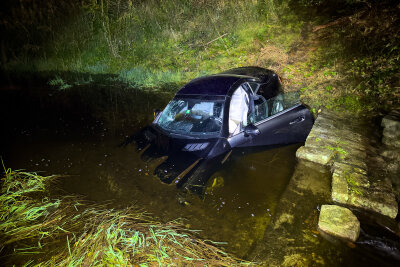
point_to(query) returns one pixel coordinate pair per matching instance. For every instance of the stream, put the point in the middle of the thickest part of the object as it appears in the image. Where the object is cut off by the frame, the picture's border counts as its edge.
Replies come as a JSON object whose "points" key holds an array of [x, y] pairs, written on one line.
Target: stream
{"points": [[77, 132]]}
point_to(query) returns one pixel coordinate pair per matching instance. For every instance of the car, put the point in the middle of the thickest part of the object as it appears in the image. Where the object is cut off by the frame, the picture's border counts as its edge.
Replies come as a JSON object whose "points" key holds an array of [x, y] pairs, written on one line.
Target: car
{"points": [[212, 115]]}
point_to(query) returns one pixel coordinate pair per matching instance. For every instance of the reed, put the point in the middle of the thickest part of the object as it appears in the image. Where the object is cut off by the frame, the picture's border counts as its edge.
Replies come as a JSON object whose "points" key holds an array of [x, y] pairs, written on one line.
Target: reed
{"points": [[39, 229]]}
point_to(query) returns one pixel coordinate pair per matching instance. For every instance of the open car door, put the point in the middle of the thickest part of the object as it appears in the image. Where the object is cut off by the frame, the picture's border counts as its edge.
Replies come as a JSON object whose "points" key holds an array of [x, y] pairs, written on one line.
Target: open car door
{"points": [[280, 120]]}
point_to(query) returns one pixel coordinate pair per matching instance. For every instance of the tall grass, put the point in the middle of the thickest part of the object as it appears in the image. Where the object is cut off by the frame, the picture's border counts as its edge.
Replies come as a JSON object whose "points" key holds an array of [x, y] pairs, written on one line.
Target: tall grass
{"points": [[37, 229], [149, 43], [154, 43]]}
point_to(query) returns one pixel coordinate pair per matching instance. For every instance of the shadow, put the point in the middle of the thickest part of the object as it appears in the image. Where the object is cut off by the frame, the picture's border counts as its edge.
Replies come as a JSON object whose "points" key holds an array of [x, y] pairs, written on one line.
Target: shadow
{"points": [[95, 106]]}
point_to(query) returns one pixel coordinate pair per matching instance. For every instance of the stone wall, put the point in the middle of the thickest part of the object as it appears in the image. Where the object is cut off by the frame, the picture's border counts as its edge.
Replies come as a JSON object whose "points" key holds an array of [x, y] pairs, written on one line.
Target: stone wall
{"points": [[334, 168], [340, 142], [390, 151]]}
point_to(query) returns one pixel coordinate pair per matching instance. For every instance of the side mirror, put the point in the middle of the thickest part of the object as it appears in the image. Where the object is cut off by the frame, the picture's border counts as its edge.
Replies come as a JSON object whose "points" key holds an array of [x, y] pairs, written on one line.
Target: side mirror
{"points": [[251, 130]]}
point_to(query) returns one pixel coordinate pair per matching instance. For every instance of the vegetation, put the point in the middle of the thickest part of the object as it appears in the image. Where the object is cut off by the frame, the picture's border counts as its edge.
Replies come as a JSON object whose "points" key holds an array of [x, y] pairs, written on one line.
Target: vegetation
{"points": [[146, 43], [354, 59], [339, 54], [38, 229]]}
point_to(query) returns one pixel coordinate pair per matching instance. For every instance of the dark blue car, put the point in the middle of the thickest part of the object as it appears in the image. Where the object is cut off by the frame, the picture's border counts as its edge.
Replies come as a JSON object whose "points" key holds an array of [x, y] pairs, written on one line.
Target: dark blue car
{"points": [[211, 115]]}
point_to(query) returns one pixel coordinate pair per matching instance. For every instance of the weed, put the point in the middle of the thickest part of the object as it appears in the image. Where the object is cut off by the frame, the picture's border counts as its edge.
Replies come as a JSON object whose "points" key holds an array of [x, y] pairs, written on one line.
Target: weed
{"points": [[59, 82], [66, 231]]}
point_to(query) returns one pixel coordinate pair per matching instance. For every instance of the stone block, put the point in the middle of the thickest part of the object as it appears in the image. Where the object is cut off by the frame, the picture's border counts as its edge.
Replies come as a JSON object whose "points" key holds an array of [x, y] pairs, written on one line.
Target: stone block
{"points": [[355, 161], [316, 154], [382, 185], [345, 167], [391, 142], [392, 122], [339, 222], [380, 202], [391, 133], [393, 154], [339, 189], [353, 175]]}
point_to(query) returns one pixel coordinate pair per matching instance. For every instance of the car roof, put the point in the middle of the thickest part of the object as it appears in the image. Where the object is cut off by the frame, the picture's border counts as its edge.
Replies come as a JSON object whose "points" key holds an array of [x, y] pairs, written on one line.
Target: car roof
{"points": [[215, 85], [258, 73], [221, 83]]}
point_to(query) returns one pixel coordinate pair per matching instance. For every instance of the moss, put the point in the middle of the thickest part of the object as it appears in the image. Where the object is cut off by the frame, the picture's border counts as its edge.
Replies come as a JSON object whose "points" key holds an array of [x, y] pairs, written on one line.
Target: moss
{"points": [[351, 180], [356, 190], [354, 185], [338, 149]]}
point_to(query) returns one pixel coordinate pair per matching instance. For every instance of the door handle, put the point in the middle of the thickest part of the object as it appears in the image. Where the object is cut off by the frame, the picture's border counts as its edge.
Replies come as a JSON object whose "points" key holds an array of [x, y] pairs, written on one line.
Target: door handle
{"points": [[297, 120]]}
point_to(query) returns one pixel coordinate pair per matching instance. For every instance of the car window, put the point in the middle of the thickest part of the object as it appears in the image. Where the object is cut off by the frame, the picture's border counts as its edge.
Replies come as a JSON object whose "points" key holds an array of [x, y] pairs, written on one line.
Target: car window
{"points": [[265, 108], [254, 86], [290, 99], [261, 110], [192, 117]]}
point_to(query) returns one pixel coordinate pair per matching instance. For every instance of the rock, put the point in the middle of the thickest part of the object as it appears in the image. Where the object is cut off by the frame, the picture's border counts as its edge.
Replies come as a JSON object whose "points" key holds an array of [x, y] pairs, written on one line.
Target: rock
{"points": [[391, 121], [333, 141], [339, 222], [355, 161], [318, 155], [393, 154], [339, 189], [393, 167], [347, 167], [394, 142], [391, 131], [352, 175], [378, 201], [383, 185], [350, 186]]}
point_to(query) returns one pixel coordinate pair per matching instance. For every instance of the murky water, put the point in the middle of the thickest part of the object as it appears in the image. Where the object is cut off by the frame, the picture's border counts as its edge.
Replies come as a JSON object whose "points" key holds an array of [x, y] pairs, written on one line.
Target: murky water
{"points": [[251, 193]]}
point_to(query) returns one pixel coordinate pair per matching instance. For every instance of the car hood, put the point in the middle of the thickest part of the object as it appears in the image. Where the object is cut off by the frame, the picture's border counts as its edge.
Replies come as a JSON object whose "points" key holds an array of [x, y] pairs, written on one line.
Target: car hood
{"points": [[172, 158]]}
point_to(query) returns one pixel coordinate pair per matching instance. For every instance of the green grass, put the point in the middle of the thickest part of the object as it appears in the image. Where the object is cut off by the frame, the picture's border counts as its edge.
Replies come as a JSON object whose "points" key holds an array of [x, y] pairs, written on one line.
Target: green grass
{"points": [[39, 229], [150, 44], [352, 65]]}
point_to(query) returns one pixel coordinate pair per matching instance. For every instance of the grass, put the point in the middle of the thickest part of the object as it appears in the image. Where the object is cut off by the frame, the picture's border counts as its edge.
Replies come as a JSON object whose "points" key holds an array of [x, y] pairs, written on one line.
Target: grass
{"points": [[146, 44], [339, 55], [352, 65], [37, 229]]}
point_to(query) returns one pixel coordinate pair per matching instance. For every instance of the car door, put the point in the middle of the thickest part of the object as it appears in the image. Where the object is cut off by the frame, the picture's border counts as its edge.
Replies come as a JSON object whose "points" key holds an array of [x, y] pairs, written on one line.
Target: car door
{"points": [[281, 120]]}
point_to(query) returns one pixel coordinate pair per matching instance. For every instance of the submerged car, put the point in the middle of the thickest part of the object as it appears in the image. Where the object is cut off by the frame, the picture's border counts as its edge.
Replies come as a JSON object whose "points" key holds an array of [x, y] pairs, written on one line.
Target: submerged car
{"points": [[211, 115]]}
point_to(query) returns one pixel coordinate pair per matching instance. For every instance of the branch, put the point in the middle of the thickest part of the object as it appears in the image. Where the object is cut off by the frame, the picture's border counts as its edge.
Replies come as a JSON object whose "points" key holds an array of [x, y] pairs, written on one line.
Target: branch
{"points": [[219, 37], [336, 22], [339, 21]]}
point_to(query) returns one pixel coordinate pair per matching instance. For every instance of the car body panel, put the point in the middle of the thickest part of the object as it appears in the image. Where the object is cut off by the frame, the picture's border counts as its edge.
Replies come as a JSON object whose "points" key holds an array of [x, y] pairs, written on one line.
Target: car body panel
{"points": [[209, 85], [287, 127]]}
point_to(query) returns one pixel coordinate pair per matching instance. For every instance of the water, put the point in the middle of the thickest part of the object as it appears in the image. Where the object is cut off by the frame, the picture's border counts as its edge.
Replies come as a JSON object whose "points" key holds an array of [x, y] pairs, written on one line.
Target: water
{"points": [[252, 204], [235, 210]]}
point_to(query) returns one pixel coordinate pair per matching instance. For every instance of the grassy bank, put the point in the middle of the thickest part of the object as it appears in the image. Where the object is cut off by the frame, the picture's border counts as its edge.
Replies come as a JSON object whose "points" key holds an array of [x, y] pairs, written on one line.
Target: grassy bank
{"points": [[349, 60], [338, 53], [147, 43], [37, 228]]}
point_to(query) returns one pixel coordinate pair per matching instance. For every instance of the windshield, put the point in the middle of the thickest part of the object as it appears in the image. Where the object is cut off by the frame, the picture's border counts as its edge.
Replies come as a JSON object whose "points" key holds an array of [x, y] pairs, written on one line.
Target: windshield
{"points": [[192, 117]]}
